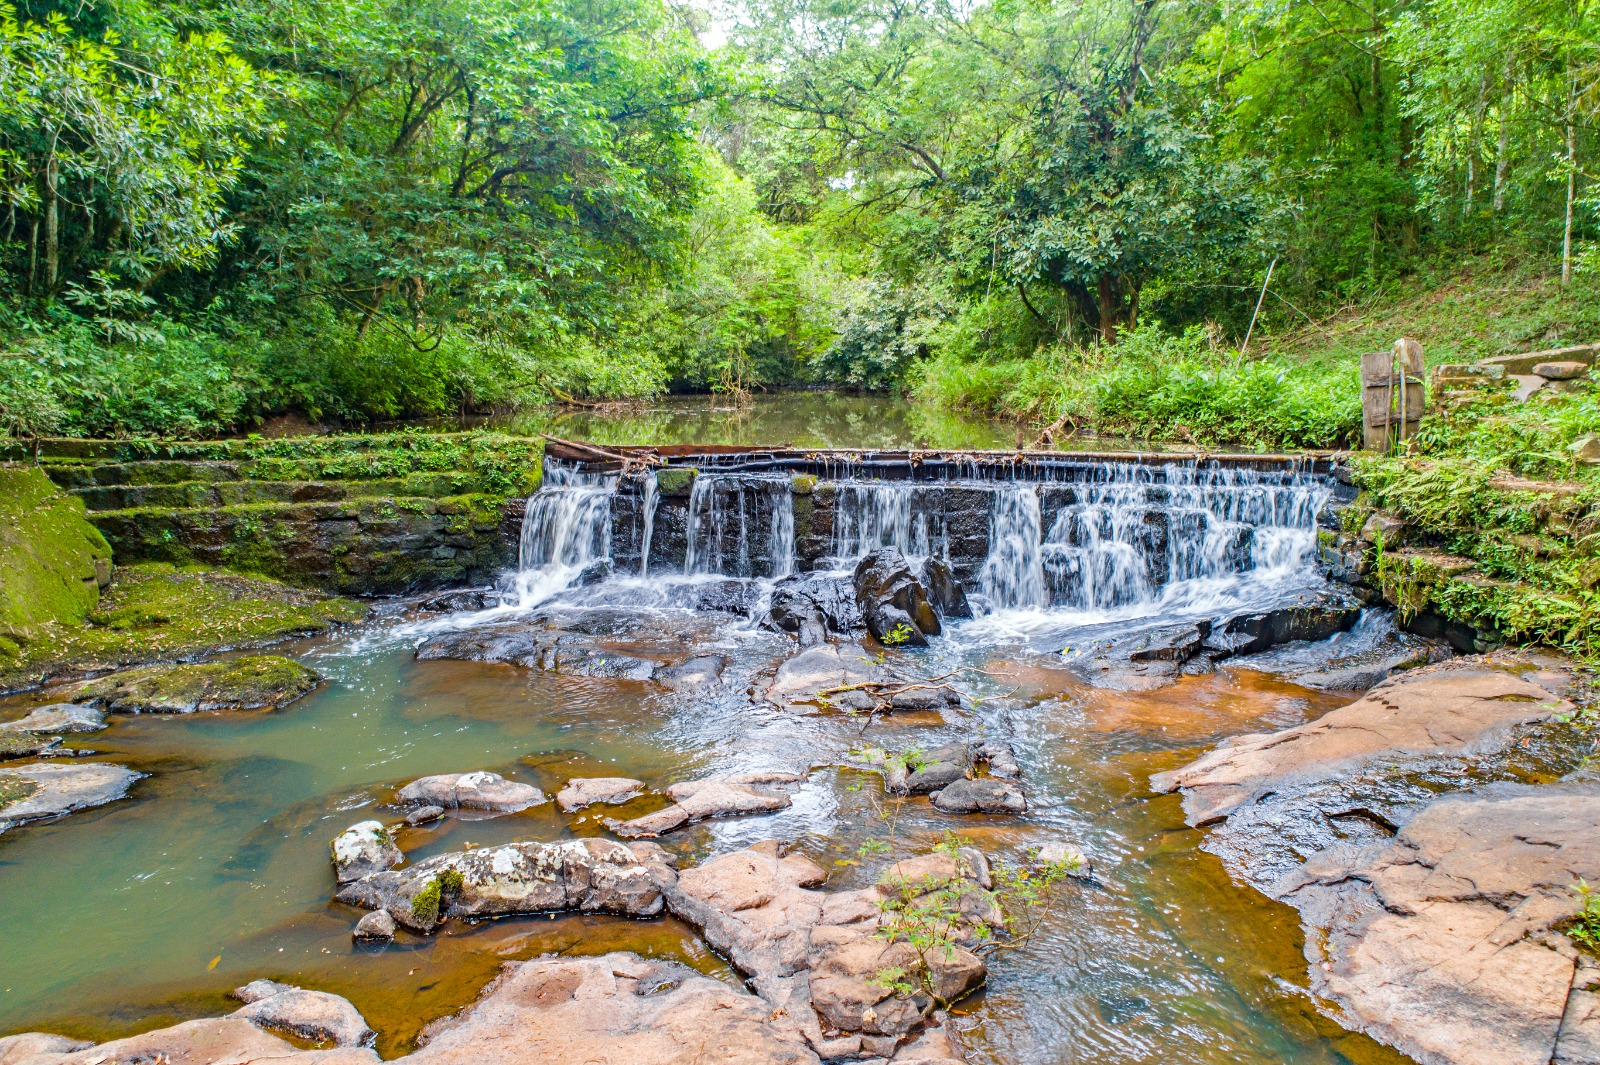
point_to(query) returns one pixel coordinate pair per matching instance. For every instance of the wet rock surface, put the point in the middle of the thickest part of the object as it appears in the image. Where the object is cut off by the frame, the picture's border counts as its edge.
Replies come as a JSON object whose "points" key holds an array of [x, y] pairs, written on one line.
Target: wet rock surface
{"points": [[982, 796], [472, 791], [811, 606], [364, 849], [586, 791], [311, 1015], [251, 682], [59, 718], [725, 795], [44, 791], [894, 605], [589, 876], [817, 669], [1433, 886]]}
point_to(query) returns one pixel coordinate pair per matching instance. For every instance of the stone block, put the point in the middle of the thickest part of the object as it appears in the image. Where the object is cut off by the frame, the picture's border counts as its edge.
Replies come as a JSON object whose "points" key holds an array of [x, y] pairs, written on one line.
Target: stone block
{"points": [[1562, 371]]}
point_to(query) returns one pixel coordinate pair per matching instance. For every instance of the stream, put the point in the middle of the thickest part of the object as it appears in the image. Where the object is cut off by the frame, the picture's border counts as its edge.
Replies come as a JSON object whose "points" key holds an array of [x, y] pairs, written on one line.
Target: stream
{"points": [[216, 872]]}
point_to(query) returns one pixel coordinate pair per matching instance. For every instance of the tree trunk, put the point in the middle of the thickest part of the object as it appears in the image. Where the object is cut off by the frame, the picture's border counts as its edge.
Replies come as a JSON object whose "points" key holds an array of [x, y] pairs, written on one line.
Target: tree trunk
{"points": [[1108, 312], [52, 227], [1572, 186], [1502, 158]]}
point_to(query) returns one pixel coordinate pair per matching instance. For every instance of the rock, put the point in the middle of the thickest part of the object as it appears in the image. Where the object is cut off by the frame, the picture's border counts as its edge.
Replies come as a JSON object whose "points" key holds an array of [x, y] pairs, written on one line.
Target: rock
{"points": [[935, 769], [513, 643], [423, 815], [724, 795], [813, 955], [1445, 943], [894, 605], [466, 599], [1561, 371], [1069, 855], [944, 591], [727, 596], [584, 791], [59, 718], [1141, 660], [312, 1015], [1527, 385], [1586, 449], [206, 1042], [703, 671], [377, 925], [251, 682], [35, 792], [920, 698], [1311, 621], [811, 605], [1383, 528], [26, 745], [1463, 707], [16, 1049], [819, 668], [982, 796], [364, 849], [473, 791], [1001, 759], [618, 1009], [590, 875]]}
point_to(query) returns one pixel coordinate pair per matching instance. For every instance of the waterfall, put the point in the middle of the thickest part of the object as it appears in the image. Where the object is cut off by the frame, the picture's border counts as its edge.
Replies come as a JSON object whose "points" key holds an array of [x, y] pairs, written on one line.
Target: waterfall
{"points": [[652, 496], [872, 514], [727, 514], [1013, 574], [566, 529]]}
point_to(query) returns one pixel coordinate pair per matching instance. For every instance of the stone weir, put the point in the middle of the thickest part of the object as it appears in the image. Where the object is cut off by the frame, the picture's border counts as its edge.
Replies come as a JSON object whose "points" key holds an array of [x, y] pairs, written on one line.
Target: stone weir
{"points": [[1024, 529]]}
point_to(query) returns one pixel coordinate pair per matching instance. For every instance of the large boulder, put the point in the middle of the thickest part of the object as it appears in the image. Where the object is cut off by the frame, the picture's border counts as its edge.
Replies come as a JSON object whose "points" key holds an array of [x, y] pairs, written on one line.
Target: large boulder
{"points": [[311, 1015], [250, 682], [590, 876], [809, 606], [363, 849], [893, 603], [944, 591], [472, 791], [723, 795]]}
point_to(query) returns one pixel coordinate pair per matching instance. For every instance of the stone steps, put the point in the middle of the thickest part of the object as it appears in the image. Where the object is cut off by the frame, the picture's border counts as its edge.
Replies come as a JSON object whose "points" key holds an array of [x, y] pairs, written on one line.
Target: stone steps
{"points": [[201, 493]]}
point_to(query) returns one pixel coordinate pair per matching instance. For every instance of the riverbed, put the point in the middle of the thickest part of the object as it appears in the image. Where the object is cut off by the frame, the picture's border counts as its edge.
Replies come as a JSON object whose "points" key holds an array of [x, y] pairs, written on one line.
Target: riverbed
{"points": [[216, 871]]}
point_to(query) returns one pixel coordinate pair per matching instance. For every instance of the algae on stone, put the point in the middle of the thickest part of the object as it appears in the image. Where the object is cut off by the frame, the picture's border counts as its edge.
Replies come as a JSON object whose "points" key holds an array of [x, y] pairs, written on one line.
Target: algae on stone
{"points": [[155, 610], [53, 563], [13, 789], [252, 682]]}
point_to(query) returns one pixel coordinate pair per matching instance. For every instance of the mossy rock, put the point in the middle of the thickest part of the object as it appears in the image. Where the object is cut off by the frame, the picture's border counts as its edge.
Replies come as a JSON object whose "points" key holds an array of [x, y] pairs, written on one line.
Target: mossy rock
{"points": [[52, 561], [13, 789], [676, 481], [252, 682], [24, 745]]}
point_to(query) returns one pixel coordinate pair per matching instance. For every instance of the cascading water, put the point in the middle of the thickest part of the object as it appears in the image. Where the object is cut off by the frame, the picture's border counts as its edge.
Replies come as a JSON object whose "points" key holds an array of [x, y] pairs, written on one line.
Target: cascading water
{"points": [[566, 529], [869, 515], [652, 498], [727, 515], [1013, 575]]}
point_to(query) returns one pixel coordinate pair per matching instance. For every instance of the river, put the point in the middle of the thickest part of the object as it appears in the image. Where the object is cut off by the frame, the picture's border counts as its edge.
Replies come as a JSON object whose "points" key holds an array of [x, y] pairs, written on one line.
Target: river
{"points": [[216, 872]]}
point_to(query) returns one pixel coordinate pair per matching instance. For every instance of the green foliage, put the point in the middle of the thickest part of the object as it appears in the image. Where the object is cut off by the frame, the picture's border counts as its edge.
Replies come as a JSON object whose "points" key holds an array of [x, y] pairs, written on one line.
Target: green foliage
{"points": [[898, 635], [1585, 927]]}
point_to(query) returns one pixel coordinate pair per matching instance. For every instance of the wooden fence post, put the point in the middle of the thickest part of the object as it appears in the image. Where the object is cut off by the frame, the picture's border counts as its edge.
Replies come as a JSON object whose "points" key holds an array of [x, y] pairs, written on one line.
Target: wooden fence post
{"points": [[1392, 396]]}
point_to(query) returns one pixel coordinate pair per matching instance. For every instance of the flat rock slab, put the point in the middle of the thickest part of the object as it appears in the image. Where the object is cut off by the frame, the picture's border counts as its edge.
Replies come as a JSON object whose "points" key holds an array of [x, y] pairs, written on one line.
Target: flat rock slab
{"points": [[1445, 942], [253, 682], [1561, 371], [313, 1015], [52, 790], [472, 791], [59, 718], [821, 667], [206, 1042], [725, 795], [585, 791], [1464, 707], [589, 876]]}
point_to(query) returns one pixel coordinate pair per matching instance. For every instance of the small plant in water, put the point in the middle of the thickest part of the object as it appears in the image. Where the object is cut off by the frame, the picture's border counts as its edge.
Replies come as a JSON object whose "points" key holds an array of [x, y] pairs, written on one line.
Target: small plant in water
{"points": [[898, 635]]}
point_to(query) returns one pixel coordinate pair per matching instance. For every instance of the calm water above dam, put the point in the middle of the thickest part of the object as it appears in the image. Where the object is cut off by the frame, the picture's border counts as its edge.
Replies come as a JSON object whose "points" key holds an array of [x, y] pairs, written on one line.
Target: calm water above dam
{"points": [[217, 872]]}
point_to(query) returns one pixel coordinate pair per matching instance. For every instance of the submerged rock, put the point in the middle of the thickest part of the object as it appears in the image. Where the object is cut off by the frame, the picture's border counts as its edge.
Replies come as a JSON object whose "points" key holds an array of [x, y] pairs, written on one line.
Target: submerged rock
{"points": [[36, 792], [313, 1015], [590, 875], [702, 671], [363, 849], [377, 926], [59, 718], [251, 682], [894, 605], [424, 815], [585, 791], [724, 795], [472, 791], [983, 796]]}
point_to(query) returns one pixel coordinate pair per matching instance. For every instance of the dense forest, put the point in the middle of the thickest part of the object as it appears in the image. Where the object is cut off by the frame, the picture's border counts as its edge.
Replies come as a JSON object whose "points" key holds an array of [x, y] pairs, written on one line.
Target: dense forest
{"points": [[356, 210]]}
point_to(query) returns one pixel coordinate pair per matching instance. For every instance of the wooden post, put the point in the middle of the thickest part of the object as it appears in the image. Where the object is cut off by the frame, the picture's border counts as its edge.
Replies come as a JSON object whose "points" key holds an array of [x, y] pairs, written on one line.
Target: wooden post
{"points": [[1392, 396]]}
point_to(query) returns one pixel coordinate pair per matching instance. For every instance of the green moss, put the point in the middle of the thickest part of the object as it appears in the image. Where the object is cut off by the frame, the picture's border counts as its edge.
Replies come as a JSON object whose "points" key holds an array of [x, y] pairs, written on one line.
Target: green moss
{"points": [[427, 903], [22, 744], [803, 484], [51, 559], [13, 789], [676, 480], [252, 682]]}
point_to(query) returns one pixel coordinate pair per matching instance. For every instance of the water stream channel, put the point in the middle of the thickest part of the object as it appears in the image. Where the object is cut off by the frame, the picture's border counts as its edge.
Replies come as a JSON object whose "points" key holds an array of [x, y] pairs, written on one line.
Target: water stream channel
{"points": [[216, 871]]}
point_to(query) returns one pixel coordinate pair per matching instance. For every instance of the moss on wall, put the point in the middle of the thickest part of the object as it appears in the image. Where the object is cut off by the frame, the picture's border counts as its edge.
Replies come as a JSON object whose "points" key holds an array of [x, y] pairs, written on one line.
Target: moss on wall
{"points": [[52, 561]]}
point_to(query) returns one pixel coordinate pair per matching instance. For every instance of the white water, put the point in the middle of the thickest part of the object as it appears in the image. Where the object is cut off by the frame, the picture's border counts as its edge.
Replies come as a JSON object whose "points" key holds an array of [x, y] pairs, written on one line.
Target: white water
{"points": [[1126, 541]]}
